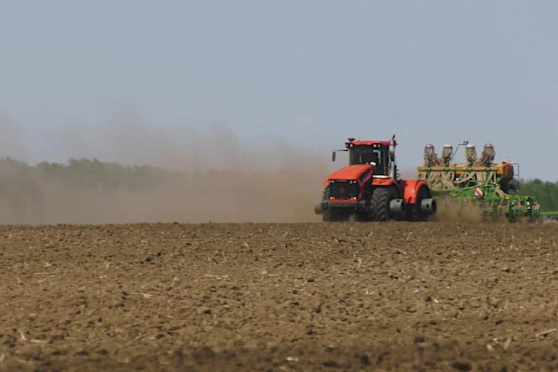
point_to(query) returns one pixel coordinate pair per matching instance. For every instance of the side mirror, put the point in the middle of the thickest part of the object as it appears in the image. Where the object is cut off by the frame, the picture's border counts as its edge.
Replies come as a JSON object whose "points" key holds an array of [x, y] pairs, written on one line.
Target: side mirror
{"points": [[333, 156]]}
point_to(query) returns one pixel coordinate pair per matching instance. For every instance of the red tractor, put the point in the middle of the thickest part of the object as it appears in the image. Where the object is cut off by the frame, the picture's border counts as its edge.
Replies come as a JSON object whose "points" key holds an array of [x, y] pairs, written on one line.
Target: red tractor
{"points": [[370, 187]]}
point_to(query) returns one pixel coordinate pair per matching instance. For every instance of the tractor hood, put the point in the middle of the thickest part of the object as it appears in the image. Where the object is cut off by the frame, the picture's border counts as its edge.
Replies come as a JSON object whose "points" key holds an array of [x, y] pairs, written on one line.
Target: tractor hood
{"points": [[351, 172]]}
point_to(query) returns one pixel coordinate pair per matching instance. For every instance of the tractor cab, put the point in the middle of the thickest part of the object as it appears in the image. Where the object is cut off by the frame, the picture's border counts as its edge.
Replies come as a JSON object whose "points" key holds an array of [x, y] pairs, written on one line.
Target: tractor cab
{"points": [[379, 154]]}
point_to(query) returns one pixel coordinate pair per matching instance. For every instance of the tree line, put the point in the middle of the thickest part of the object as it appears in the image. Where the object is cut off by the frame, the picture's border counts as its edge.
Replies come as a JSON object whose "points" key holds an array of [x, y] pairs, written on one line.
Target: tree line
{"points": [[546, 193], [29, 192]]}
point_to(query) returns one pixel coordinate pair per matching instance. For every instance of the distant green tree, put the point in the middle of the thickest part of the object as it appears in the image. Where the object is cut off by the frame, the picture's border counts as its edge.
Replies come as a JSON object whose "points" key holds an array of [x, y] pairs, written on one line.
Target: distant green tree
{"points": [[25, 189], [546, 193]]}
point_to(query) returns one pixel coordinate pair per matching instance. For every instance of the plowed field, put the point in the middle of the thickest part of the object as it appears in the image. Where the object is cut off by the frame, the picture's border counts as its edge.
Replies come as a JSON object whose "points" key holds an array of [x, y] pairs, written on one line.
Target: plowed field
{"points": [[279, 297]]}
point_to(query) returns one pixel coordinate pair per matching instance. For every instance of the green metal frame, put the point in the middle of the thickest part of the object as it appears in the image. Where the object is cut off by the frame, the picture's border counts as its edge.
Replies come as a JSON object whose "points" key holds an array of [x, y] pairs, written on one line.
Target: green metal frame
{"points": [[512, 207], [492, 202]]}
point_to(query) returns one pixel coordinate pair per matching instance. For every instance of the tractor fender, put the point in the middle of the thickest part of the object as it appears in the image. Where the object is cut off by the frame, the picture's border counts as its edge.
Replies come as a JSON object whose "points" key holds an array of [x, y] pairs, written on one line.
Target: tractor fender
{"points": [[384, 182], [411, 190], [390, 183]]}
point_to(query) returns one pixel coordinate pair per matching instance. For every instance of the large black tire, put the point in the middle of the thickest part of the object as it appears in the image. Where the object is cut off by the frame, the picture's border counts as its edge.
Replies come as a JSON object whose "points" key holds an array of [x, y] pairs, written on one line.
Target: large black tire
{"points": [[414, 212], [380, 204]]}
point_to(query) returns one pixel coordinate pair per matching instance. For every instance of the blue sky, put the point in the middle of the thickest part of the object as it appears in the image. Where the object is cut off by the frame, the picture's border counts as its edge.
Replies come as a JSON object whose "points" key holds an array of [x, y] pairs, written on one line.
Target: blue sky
{"points": [[302, 73]]}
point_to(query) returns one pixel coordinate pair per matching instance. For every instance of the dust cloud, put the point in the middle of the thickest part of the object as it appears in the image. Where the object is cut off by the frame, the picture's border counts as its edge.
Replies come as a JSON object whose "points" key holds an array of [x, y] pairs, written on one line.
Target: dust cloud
{"points": [[129, 170], [451, 209]]}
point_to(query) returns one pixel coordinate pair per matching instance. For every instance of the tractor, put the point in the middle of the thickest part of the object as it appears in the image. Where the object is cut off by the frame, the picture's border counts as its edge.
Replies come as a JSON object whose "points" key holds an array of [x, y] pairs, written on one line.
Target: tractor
{"points": [[371, 189]]}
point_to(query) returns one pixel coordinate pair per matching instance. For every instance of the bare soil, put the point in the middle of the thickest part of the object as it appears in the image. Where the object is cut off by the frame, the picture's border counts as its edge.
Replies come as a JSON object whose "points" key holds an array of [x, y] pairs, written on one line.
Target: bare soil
{"points": [[279, 297]]}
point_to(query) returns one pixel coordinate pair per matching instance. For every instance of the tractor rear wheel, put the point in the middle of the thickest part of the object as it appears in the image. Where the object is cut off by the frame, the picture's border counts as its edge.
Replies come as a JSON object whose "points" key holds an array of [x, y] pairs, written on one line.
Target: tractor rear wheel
{"points": [[415, 211], [380, 204]]}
